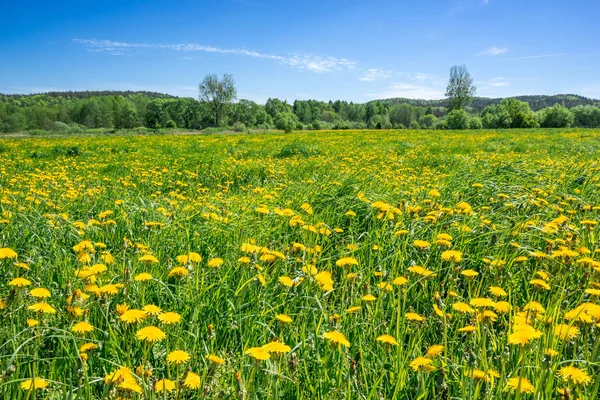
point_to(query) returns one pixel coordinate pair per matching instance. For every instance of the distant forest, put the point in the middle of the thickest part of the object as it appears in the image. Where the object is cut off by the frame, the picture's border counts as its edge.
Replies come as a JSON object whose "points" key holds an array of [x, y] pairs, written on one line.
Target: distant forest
{"points": [[80, 111]]}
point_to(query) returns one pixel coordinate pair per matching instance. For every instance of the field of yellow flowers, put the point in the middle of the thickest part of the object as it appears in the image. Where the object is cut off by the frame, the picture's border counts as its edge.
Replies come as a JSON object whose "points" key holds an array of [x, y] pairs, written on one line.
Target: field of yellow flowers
{"points": [[337, 265]]}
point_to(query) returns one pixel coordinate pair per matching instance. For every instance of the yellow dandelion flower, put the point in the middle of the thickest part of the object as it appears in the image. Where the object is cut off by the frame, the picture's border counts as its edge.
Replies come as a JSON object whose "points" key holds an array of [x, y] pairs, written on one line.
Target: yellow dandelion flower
{"points": [[388, 339], [35, 383], [574, 375], [215, 262], [143, 277], [133, 316], [411, 316], [169, 318], [39, 293], [19, 282], [452, 256], [178, 357], [434, 350], [166, 385], [565, 331], [82, 327], [521, 385], [43, 308], [337, 338], [284, 318], [215, 359], [192, 381], [150, 334]]}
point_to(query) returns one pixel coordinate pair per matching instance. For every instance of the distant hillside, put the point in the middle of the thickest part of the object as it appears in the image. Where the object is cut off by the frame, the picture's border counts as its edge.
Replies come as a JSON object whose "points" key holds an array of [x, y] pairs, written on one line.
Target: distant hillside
{"points": [[479, 103], [72, 95]]}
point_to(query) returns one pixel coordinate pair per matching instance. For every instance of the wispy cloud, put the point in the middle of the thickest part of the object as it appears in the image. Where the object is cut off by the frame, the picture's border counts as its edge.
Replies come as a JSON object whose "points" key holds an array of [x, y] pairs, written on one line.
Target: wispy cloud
{"points": [[411, 91], [498, 81], [536, 56], [310, 62], [493, 51], [374, 74]]}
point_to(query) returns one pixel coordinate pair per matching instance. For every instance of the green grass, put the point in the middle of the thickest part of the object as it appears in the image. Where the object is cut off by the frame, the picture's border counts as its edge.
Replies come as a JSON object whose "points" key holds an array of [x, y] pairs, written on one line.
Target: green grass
{"points": [[210, 195]]}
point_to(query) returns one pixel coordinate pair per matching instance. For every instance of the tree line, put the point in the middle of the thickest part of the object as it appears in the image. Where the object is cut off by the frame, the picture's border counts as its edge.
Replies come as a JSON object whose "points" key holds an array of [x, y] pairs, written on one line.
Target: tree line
{"points": [[218, 106]]}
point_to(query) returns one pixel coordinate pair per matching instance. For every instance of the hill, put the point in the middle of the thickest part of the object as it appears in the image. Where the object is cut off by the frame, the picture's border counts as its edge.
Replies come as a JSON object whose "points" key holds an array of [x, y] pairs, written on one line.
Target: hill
{"points": [[536, 102]]}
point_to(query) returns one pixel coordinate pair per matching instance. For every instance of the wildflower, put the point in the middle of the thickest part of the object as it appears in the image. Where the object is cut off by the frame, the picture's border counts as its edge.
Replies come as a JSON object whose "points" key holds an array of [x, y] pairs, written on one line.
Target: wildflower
{"points": [[565, 331], [346, 262], [35, 383], [148, 259], [523, 334], [420, 271], [574, 375], [150, 334], [178, 357], [178, 271], [469, 273], [421, 244], [169, 318], [276, 347], [284, 318], [324, 280], [84, 348], [463, 308], [82, 327], [19, 282], [133, 316], [258, 353], [143, 277], [32, 322], [467, 329], [353, 309], [482, 302], [39, 293], [337, 338], [164, 384], [498, 291], [286, 281], [421, 363], [43, 308], [521, 385], [388, 339], [540, 283], [414, 317], [400, 281], [215, 359], [502, 307], [452, 256], [369, 298], [5, 252], [191, 381], [434, 350], [215, 262]]}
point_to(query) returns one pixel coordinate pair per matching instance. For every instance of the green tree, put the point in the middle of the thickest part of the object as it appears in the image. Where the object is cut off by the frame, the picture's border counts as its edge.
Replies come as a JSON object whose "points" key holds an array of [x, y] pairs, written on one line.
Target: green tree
{"points": [[458, 119], [460, 90], [556, 116], [218, 95]]}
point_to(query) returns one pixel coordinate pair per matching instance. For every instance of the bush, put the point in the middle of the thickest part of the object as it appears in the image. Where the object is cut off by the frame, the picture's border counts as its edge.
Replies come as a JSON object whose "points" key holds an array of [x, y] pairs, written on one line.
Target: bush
{"points": [[475, 123], [428, 121], [458, 119], [239, 127], [170, 124], [414, 125], [286, 121], [57, 126], [556, 116]]}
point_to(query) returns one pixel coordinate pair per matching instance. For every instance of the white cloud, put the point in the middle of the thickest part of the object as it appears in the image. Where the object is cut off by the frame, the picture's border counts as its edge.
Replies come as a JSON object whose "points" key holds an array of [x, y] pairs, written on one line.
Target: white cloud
{"points": [[306, 61], [486, 2], [411, 91], [373, 74], [498, 81], [493, 51]]}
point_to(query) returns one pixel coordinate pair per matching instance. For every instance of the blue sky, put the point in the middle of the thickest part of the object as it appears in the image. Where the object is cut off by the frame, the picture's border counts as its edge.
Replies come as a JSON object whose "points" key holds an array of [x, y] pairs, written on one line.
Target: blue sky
{"points": [[337, 49]]}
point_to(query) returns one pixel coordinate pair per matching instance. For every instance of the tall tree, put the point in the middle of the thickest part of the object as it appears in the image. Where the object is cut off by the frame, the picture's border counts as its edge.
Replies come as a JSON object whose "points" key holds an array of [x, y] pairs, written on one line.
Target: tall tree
{"points": [[218, 95], [460, 90]]}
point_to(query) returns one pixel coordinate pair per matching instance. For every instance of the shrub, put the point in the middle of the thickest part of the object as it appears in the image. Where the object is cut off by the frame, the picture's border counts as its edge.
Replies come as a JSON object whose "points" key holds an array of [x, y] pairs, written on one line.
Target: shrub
{"points": [[458, 119], [475, 123], [556, 116], [239, 127]]}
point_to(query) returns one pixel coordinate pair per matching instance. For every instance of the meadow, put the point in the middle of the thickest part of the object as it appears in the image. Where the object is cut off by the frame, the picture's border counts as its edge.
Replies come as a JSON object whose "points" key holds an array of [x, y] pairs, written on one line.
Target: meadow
{"points": [[322, 265]]}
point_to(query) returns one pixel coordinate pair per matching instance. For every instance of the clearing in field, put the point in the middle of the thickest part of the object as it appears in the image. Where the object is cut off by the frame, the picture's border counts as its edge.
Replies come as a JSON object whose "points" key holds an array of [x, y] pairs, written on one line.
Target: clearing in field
{"points": [[333, 265]]}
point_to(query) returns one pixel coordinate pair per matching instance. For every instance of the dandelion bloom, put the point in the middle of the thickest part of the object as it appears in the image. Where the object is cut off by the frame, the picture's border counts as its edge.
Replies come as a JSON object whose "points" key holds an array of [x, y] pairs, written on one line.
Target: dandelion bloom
{"points": [[133, 316], [353, 309], [286, 281], [346, 262], [452, 256], [434, 350], [35, 383], [497, 291], [150, 334], [164, 384], [148, 259], [521, 385], [215, 262], [411, 316], [5, 252], [421, 244], [400, 281], [336, 337], [420, 271], [19, 282], [540, 283], [324, 280], [191, 381], [369, 298], [388, 339], [463, 308], [84, 348], [82, 327], [178, 271], [482, 302], [143, 277], [574, 375], [467, 329], [43, 308], [469, 273], [215, 359], [523, 334], [151, 309], [169, 318], [32, 322], [422, 363], [258, 353], [565, 331], [276, 347], [178, 357], [284, 318]]}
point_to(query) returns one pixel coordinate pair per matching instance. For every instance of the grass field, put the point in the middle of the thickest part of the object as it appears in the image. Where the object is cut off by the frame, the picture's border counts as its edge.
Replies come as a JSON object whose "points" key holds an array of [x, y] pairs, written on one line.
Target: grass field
{"points": [[338, 265]]}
